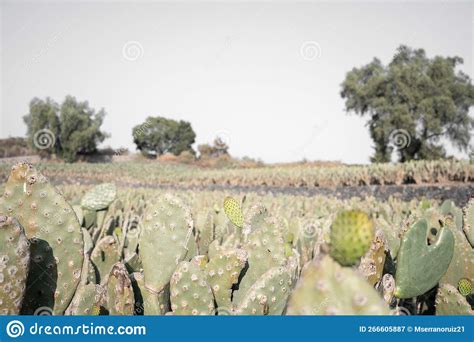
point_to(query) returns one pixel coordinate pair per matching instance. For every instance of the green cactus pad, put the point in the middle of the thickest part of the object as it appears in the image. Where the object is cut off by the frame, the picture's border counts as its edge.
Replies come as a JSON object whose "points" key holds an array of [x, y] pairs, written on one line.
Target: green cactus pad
{"points": [[189, 291], [449, 302], [449, 208], [56, 251], [14, 263], [372, 263], [465, 287], [120, 297], [327, 288], [164, 240], [104, 256], [420, 266], [99, 197], [147, 302], [223, 272], [468, 221], [265, 246], [351, 234], [234, 211], [268, 296], [87, 301]]}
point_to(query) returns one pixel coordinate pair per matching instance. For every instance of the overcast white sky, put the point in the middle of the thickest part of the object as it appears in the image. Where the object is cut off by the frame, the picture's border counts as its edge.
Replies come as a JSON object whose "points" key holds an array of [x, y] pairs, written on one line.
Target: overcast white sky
{"points": [[242, 70]]}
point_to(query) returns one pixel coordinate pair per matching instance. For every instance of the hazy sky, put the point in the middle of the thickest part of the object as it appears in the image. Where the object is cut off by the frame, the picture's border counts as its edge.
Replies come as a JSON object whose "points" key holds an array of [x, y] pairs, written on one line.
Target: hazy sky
{"points": [[263, 75]]}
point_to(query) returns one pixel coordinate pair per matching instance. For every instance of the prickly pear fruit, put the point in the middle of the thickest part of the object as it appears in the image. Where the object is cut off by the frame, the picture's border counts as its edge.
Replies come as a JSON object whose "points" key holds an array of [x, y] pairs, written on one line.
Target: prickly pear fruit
{"points": [[326, 288], [415, 254], [465, 287], [189, 291], [164, 240], [351, 234], [56, 250], [99, 197], [120, 297], [234, 211], [14, 262]]}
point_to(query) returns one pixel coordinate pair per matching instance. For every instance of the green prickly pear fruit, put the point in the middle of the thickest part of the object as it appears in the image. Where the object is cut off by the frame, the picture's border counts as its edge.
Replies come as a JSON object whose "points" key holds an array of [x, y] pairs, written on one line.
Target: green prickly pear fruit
{"points": [[99, 197], [234, 211], [465, 287], [415, 255], [56, 242], [351, 235], [120, 297], [327, 288], [190, 293], [14, 262]]}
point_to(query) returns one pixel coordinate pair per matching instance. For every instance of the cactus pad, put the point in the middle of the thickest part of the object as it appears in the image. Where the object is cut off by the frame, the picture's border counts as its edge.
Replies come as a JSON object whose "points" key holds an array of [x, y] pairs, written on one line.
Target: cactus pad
{"points": [[450, 302], [99, 197], [56, 250], [189, 290], [234, 211], [327, 288], [14, 262], [420, 266]]}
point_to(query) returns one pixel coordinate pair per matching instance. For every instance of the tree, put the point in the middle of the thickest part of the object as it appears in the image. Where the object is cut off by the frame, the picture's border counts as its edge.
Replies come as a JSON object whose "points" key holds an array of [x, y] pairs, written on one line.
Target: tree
{"points": [[419, 100], [68, 130], [158, 135], [218, 149]]}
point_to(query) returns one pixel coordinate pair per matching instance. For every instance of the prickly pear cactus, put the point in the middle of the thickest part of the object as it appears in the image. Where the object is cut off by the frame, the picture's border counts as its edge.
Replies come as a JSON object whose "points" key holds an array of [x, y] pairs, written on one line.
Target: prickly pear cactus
{"points": [[234, 212], [269, 295], [56, 250], [326, 288], [120, 297], [164, 240], [223, 272], [468, 221], [14, 262], [351, 234], [189, 291], [450, 302], [265, 246], [99, 197], [147, 302], [104, 256], [449, 208], [415, 255], [372, 263], [87, 301]]}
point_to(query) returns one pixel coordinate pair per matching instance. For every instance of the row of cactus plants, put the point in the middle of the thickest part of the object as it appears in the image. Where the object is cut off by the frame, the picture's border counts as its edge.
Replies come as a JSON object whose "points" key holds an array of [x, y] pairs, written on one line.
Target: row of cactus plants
{"points": [[153, 174], [146, 254]]}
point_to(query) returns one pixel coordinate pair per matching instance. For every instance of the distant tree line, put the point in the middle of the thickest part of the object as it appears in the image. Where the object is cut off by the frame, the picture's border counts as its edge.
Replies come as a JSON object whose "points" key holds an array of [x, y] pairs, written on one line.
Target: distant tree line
{"points": [[414, 105]]}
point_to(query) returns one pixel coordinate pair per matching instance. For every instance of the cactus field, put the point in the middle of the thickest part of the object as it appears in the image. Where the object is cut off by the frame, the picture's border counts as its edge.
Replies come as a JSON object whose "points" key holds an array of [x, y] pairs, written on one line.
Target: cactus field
{"points": [[85, 239]]}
